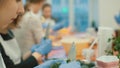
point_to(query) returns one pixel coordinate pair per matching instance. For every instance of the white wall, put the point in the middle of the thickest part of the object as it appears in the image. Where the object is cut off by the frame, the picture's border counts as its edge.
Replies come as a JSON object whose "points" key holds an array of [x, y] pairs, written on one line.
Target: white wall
{"points": [[107, 9]]}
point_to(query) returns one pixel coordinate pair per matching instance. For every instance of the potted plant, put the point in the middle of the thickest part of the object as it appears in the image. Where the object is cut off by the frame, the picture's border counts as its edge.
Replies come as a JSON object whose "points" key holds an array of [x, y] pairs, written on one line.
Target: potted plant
{"points": [[115, 47]]}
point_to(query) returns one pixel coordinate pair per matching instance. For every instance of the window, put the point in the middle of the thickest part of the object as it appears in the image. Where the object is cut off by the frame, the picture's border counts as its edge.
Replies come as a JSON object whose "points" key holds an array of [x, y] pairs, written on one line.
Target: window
{"points": [[61, 12], [81, 15]]}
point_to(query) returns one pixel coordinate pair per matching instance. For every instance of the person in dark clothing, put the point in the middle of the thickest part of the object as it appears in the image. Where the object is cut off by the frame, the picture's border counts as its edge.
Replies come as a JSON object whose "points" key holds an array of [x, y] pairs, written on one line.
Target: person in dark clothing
{"points": [[9, 11], [29, 63]]}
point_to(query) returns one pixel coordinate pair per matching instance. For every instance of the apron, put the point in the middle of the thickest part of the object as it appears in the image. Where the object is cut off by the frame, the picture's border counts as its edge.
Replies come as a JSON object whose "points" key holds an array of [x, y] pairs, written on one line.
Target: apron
{"points": [[12, 49], [2, 65]]}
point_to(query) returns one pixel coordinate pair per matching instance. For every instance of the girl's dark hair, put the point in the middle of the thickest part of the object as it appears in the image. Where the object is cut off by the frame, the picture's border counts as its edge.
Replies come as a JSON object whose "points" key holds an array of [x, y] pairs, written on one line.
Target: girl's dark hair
{"points": [[46, 5], [1, 2]]}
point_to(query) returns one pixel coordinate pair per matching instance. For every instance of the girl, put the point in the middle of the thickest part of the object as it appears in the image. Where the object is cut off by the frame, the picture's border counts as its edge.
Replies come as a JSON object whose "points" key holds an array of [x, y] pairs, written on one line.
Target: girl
{"points": [[9, 12], [47, 15]]}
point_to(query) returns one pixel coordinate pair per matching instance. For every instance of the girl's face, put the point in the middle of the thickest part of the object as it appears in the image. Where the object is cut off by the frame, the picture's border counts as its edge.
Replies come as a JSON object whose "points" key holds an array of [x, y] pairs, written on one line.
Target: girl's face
{"points": [[47, 12], [9, 10]]}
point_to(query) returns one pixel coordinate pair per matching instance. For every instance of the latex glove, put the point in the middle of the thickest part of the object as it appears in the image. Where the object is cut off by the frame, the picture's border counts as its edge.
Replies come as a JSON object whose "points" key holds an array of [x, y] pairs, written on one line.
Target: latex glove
{"points": [[47, 64], [42, 42], [73, 64], [34, 47], [58, 27], [117, 18], [44, 48]]}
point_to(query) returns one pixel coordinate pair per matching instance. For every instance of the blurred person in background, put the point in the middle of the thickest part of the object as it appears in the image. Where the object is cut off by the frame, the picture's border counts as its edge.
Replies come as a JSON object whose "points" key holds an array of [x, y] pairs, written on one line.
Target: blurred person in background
{"points": [[47, 18], [47, 15], [30, 31]]}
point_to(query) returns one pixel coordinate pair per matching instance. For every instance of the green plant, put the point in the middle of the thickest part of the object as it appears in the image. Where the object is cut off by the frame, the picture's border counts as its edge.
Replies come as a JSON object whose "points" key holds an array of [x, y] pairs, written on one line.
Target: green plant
{"points": [[116, 46], [82, 64], [86, 65], [109, 52], [56, 65]]}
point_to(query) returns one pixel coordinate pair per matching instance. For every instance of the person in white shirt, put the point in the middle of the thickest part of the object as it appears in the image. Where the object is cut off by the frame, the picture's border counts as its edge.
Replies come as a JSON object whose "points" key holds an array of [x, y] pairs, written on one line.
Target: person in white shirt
{"points": [[30, 31]]}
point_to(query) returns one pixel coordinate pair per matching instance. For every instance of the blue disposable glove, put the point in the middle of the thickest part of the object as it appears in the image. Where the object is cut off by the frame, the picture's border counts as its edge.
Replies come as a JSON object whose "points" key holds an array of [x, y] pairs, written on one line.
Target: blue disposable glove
{"points": [[58, 27], [42, 42], [73, 64], [45, 47], [34, 47], [117, 18], [47, 64]]}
